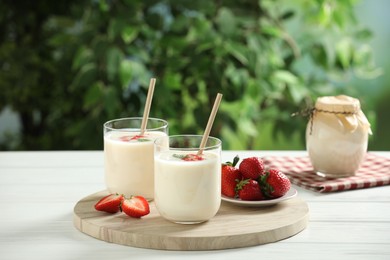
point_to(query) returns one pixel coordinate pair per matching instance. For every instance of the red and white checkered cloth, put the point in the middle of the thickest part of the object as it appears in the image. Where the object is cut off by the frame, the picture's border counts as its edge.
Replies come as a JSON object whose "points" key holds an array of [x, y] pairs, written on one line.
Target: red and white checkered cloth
{"points": [[374, 171]]}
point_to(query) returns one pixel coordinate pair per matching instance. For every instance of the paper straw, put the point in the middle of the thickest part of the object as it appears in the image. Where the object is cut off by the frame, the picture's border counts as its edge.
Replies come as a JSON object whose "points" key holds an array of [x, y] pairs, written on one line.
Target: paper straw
{"points": [[147, 105], [210, 123]]}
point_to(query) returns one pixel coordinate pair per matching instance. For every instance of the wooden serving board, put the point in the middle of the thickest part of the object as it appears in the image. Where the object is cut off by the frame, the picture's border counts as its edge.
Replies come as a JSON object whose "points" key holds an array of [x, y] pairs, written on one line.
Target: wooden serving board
{"points": [[233, 226]]}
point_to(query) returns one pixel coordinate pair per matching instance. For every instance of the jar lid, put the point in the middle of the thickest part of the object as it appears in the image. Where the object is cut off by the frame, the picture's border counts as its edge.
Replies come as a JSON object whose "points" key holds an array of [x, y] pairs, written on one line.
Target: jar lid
{"points": [[346, 109], [338, 104]]}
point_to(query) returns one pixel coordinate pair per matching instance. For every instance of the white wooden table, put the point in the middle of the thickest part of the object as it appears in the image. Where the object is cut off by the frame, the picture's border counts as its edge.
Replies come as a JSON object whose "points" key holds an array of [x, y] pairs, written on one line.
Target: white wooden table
{"points": [[38, 191]]}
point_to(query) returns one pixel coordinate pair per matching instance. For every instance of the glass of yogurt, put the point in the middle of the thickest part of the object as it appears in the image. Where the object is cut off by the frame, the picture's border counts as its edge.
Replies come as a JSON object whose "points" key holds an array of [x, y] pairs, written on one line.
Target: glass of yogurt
{"points": [[187, 184], [129, 156]]}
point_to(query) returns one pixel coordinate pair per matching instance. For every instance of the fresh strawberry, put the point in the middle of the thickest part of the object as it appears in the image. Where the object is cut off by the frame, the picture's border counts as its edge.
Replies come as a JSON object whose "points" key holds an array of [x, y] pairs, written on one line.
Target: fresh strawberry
{"points": [[251, 168], [230, 176], [140, 138], [135, 206], [274, 183], [249, 189], [189, 157], [137, 137], [109, 203]]}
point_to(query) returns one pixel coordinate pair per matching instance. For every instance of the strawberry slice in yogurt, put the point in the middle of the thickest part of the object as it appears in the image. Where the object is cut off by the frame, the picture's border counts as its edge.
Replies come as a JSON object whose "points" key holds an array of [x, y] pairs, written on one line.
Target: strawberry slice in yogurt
{"points": [[139, 138], [189, 157]]}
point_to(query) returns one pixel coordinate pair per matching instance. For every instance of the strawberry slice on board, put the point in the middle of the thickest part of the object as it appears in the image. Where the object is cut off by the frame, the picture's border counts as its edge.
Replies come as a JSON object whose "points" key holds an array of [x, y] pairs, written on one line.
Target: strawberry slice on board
{"points": [[135, 206], [110, 203]]}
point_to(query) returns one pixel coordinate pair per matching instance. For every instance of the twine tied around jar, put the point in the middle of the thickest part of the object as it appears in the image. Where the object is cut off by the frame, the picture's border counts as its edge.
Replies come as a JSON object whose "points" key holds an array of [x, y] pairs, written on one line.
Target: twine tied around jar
{"points": [[313, 110], [310, 113], [341, 106]]}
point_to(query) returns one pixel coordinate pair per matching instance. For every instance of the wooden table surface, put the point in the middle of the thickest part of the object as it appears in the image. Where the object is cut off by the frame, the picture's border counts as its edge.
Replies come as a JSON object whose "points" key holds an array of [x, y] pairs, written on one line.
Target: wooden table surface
{"points": [[38, 191]]}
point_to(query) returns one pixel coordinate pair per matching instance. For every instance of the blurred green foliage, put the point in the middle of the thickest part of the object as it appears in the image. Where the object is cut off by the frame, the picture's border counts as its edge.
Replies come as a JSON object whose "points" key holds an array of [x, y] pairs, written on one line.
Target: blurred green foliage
{"points": [[68, 66]]}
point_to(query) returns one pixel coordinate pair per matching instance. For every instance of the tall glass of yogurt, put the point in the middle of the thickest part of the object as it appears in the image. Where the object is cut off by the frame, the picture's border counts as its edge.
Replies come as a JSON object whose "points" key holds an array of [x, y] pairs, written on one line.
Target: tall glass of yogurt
{"points": [[129, 157], [187, 185]]}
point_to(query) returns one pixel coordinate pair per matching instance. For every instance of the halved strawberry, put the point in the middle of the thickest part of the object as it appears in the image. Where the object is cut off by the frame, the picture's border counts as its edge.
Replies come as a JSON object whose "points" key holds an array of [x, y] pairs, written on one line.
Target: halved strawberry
{"points": [[135, 206], [110, 203]]}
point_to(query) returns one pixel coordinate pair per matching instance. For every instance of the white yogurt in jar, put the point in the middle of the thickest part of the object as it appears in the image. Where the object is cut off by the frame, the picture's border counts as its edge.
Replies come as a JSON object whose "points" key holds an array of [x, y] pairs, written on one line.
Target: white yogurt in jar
{"points": [[337, 136]]}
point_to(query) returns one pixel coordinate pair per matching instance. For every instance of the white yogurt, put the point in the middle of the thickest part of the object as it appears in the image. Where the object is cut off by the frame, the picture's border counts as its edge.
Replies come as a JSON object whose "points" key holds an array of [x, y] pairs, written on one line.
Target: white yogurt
{"points": [[187, 191], [337, 136], [129, 164]]}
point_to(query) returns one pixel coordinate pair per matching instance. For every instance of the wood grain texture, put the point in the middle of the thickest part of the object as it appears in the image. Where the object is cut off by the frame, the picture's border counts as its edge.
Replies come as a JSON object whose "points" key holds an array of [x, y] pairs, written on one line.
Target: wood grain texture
{"points": [[232, 227], [39, 191]]}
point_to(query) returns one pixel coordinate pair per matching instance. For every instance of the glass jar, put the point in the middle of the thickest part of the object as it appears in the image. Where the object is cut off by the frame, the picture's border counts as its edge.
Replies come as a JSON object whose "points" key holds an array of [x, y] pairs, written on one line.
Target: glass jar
{"points": [[337, 136]]}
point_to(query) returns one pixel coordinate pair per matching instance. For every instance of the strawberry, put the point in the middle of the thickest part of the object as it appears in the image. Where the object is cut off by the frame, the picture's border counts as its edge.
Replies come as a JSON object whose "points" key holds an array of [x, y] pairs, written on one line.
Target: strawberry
{"points": [[136, 137], [251, 168], [110, 203], [230, 176], [139, 138], [249, 189], [135, 206], [189, 157], [274, 183]]}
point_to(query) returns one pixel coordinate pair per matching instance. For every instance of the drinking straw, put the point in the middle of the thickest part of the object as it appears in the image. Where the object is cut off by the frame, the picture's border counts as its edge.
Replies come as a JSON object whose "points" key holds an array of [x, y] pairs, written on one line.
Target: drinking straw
{"points": [[210, 123], [147, 105]]}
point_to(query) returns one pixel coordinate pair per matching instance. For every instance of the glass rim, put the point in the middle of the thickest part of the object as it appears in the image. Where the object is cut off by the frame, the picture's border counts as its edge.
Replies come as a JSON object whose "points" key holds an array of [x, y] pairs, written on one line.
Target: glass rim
{"points": [[164, 122], [206, 147]]}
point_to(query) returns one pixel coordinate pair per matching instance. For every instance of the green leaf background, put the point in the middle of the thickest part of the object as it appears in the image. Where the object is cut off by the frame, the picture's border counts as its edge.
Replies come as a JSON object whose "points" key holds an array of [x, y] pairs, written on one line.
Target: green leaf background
{"points": [[75, 64]]}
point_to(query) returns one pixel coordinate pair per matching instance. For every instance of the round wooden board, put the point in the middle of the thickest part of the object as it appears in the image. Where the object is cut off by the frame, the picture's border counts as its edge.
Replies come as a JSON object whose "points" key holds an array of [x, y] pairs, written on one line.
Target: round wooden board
{"points": [[232, 227]]}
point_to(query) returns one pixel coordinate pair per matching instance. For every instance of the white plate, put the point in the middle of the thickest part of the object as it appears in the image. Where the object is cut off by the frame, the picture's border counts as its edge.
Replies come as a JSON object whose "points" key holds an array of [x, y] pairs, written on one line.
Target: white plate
{"points": [[262, 203]]}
